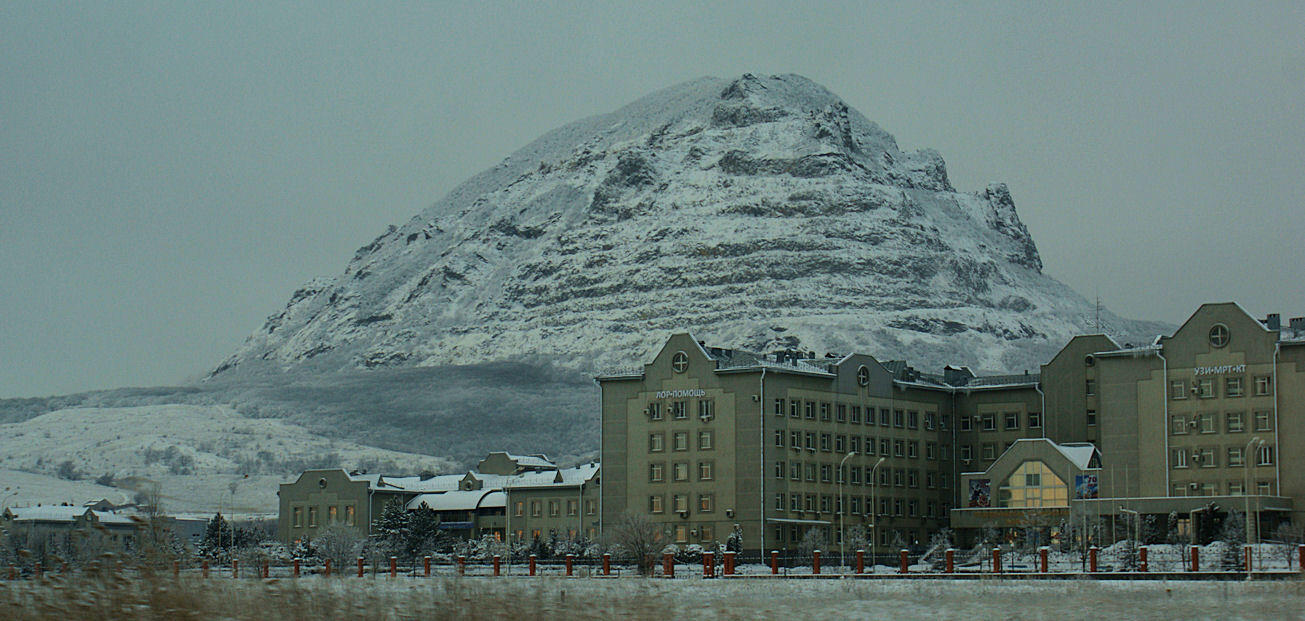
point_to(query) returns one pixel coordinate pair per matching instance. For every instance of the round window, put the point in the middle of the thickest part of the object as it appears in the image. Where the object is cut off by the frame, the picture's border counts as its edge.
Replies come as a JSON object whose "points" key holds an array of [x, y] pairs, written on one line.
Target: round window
{"points": [[862, 375], [680, 362], [1219, 335], [321, 483]]}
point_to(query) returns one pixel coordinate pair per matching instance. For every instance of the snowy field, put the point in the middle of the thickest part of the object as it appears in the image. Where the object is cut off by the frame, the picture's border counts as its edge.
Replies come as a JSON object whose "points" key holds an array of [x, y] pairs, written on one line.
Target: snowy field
{"points": [[639, 598]]}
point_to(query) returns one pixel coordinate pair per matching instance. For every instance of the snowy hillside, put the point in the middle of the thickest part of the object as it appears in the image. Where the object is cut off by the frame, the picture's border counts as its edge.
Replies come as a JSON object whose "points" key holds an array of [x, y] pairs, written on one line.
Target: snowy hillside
{"points": [[193, 453], [758, 213]]}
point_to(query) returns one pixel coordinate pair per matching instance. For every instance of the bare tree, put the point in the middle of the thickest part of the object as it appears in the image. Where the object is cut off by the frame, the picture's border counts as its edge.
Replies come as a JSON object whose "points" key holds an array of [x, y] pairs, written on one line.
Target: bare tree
{"points": [[640, 537]]}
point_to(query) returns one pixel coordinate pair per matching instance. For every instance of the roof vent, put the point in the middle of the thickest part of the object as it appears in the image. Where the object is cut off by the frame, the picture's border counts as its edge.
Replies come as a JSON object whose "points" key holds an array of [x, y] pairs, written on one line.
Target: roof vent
{"points": [[1296, 323], [1273, 321]]}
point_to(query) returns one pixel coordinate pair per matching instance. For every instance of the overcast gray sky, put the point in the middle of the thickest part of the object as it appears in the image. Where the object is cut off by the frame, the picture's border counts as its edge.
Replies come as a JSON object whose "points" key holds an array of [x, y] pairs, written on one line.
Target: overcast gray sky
{"points": [[171, 172]]}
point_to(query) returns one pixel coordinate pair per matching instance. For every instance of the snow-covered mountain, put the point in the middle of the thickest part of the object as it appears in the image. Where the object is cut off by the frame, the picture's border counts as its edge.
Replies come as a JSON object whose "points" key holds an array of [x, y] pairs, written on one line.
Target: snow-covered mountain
{"points": [[758, 213]]}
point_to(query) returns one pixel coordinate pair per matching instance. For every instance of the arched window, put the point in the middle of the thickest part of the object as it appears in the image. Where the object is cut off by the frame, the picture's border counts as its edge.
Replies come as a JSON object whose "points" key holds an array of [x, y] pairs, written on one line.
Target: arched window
{"points": [[1033, 484]]}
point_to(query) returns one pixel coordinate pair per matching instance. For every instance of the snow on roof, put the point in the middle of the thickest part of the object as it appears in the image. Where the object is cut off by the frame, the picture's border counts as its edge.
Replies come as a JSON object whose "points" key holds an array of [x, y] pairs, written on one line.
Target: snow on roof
{"points": [[66, 514], [532, 461], [460, 500], [1078, 454]]}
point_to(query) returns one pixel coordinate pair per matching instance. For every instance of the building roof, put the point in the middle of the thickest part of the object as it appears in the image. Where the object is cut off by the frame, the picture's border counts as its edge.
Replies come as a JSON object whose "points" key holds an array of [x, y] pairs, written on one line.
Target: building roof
{"points": [[1079, 454], [62, 513], [460, 500]]}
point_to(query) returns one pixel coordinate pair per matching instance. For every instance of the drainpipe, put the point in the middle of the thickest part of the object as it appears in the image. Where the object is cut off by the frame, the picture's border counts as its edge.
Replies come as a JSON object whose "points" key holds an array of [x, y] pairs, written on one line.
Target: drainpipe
{"points": [[602, 439], [1164, 424], [1043, 396], [761, 423], [1277, 461]]}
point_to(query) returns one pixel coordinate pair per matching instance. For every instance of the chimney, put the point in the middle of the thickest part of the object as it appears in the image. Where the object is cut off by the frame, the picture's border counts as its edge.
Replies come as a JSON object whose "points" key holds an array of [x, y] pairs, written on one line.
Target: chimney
{"points": [[1273, 322], [1297, 323]]}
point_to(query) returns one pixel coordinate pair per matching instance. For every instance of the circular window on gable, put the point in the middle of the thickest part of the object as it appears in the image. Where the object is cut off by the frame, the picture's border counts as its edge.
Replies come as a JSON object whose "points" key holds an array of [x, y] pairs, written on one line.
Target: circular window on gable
{"points": [[321, 483], [862, 375], [680, 362], [1219, 335]]}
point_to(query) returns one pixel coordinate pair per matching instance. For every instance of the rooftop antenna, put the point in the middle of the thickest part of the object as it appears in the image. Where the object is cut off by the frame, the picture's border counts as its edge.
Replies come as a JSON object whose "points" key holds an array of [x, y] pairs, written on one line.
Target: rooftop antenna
{"points": [[1098, 309]]}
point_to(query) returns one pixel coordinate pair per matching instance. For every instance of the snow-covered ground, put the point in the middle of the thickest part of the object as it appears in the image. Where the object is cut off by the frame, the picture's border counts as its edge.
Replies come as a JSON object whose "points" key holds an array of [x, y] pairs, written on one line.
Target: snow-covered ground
{"points": [[196, 454]]}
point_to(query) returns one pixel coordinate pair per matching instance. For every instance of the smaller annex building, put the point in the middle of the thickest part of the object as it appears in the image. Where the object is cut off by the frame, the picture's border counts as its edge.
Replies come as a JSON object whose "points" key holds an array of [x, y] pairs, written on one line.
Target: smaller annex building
{"points": [[31, 527], [543, 499]]}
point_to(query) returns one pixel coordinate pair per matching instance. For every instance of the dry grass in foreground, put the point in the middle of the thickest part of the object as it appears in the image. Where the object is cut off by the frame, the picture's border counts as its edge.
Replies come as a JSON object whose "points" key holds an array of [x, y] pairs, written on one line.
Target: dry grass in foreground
{"points": [[118, 597]]}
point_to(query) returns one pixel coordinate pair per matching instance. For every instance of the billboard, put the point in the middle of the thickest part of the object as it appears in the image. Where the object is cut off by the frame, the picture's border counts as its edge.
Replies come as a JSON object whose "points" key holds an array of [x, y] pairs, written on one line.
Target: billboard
{"points": [[1085, 486], [980, 493]]}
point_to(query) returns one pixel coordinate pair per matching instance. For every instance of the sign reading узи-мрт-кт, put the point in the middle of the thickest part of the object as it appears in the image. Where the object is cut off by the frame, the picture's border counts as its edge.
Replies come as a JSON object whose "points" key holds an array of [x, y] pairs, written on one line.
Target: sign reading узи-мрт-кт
{"points": [[1220, 370]]}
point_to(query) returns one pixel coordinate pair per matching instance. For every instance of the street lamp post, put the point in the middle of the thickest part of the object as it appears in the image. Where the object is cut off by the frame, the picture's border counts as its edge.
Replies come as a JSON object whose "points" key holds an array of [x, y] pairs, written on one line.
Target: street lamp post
{"points": [[842, 508], [874, 512], [1246, 490]]}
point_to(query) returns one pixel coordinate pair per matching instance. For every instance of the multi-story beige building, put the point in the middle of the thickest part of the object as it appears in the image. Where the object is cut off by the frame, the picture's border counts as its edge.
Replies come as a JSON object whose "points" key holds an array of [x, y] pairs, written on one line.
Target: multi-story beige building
{"points": [[703, 438]]}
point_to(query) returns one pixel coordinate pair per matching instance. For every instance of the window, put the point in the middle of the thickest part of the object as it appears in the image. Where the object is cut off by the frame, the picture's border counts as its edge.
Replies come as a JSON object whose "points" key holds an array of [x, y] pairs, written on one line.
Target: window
{"points": [[885, 476], [1262, 488], [824, 412], [912, 419], [704, 440], [298, 513], [655, 411], [1178, 425], [930, 421], [854, 444], [1263, 420], [656, 473], [811, 441], [795, 503], [780, 472], [705, 470], [1178, 389], [856, 415], [913, 478], [1235, 422], [885, 447], [840, 443], [899, 478], [826, 473], [964, 453], [945, 422], [1236, 458], [1035, 420], [350, 515], [1012, 420], [809, 410], [899, 418], [1264, 456], [1219, 335], [779, 503], [824, 504], [1206, 423], [899, 448], [989, 451], [591, 507], [1092, 418], [862, 375], [855, 476], [913, 449], [810, 502], [811, 472], [536, 508], [681, 471], [931, 479], [679, 410], [966, 425], [1204, 388], [884, 417], [824, 442], [681, 441], [706, 409], [1232, 387], [681, 533], [989, 422], [680, 362], [680, 503], [706, 503], [840, 413], [794, 409], [779, 438], [572, 507], [855, 505], [869, 445], [779, 407], [312, 517], [1263, 385], [656, 442], [946, 451], [931, 450], [795, 439], [554, 508], [1235, 488], [1090, 388], [332, 514], [1204, 457], [655, 504], [1180, 458], [795, 471]]}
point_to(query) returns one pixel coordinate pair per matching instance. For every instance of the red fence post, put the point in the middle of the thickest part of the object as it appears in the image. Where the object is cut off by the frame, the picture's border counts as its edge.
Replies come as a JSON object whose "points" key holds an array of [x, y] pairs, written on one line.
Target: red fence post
{"points": [[570, 558], [815, 562], [729, 562], [996, 560], [1092, 559], [235, 568], [425, 565], [296, 568], [1141, 559], [1196, 559], [668, 565], [532, 564], [497, 560], [394, 567], [774, 560], [266, 571], [860, 561], [951, 560], [1042, 556], [1300, 549], [1246, 552], [360, 567], [708, 565], [903, 562], [328, 568], [37, 571], [607, 564], [462, 565]]}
